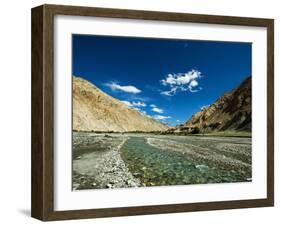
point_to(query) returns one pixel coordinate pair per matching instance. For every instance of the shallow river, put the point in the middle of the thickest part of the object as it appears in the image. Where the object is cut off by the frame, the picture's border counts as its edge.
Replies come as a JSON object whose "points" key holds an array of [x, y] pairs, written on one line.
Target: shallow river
{"points": [[135, 160]]}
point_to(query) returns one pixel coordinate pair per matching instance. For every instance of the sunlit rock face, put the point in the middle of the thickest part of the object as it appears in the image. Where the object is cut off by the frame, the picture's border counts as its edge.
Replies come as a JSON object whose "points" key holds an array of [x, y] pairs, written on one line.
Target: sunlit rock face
{"points": [[232, 111], [94, 110]]}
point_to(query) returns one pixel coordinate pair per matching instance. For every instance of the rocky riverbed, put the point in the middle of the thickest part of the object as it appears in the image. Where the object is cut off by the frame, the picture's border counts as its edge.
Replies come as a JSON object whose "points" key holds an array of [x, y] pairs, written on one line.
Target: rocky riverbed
{"points": [[139, 160], [97, 163]]}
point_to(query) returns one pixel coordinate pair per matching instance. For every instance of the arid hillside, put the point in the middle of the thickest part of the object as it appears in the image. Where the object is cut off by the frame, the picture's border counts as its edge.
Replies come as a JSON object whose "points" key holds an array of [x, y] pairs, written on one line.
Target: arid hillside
{"points": [[232, 111], [94, 110]]}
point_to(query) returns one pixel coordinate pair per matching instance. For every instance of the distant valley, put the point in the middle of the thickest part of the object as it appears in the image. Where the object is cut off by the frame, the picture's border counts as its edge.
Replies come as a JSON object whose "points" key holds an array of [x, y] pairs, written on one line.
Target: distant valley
{"points": [[94, 110]]}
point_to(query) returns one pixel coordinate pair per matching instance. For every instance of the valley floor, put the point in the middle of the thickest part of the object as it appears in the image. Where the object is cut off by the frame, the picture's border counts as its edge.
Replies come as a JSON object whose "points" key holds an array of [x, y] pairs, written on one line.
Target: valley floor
{"points": [[139, 160]]}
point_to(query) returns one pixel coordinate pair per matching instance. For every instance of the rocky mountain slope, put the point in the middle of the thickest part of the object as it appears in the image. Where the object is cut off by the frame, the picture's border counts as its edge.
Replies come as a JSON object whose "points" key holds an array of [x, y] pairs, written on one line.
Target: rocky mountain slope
{"points": [[94, 110], [232, 111]]}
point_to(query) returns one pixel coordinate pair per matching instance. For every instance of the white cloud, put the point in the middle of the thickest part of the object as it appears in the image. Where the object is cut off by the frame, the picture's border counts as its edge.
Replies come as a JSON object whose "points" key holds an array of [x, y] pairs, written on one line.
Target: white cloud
{"points": [[138, 104], [127, 89], [161, 117], [141, 111], [134, 104], [157, 110], [171, 92], [181, 81], [153, 105], [177, 120], [144, 113], [127, 103], [193, 83]]}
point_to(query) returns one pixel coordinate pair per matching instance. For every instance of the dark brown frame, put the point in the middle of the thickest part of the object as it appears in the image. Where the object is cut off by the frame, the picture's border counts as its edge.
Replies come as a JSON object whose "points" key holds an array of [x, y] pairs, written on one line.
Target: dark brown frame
{"points": [[42, 203]]}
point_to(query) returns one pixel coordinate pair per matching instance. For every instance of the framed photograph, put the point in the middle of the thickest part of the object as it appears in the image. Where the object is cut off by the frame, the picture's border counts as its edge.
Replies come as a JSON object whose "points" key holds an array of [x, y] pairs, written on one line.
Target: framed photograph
{"points": [[141, 112]]}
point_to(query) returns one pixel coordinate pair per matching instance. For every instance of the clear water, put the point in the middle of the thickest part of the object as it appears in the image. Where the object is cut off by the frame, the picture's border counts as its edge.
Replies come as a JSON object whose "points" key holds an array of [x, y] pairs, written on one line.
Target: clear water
{"points": [[158, 160], [154, 166]]}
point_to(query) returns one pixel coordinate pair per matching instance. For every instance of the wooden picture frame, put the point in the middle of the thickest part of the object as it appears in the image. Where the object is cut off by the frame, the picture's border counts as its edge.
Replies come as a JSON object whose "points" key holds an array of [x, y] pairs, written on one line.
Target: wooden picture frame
{"points": [[43, 108]]}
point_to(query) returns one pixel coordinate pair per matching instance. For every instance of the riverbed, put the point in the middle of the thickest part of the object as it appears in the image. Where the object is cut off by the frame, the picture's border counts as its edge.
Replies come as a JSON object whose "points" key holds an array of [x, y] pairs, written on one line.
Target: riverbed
{"points": [[142, 160]]}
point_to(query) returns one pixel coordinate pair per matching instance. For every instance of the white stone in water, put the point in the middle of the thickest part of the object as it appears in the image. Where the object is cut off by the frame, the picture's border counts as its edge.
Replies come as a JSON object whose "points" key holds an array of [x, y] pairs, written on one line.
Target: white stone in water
{"points": [[201, 167]]}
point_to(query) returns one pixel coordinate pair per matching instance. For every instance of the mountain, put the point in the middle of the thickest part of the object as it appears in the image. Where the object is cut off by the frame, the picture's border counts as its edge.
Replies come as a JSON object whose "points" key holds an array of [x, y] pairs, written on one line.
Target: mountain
{"points": [[94, 110], [232, 111]]}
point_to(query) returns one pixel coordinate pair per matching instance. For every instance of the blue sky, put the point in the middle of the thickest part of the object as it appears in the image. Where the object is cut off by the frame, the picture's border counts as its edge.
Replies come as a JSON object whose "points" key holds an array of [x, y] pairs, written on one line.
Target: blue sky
{"points": [[167, 79]]}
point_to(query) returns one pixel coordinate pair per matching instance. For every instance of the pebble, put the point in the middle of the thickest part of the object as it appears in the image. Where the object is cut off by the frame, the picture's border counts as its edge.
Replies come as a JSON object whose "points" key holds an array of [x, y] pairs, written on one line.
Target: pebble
{"points": [[109, 185], [201, 167], [136, 174]]}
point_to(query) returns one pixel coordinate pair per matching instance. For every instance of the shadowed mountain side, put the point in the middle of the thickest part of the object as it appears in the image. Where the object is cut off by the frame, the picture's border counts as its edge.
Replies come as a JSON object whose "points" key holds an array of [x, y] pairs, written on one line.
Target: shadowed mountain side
{"points": [[94, 110], [232, 111]]}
